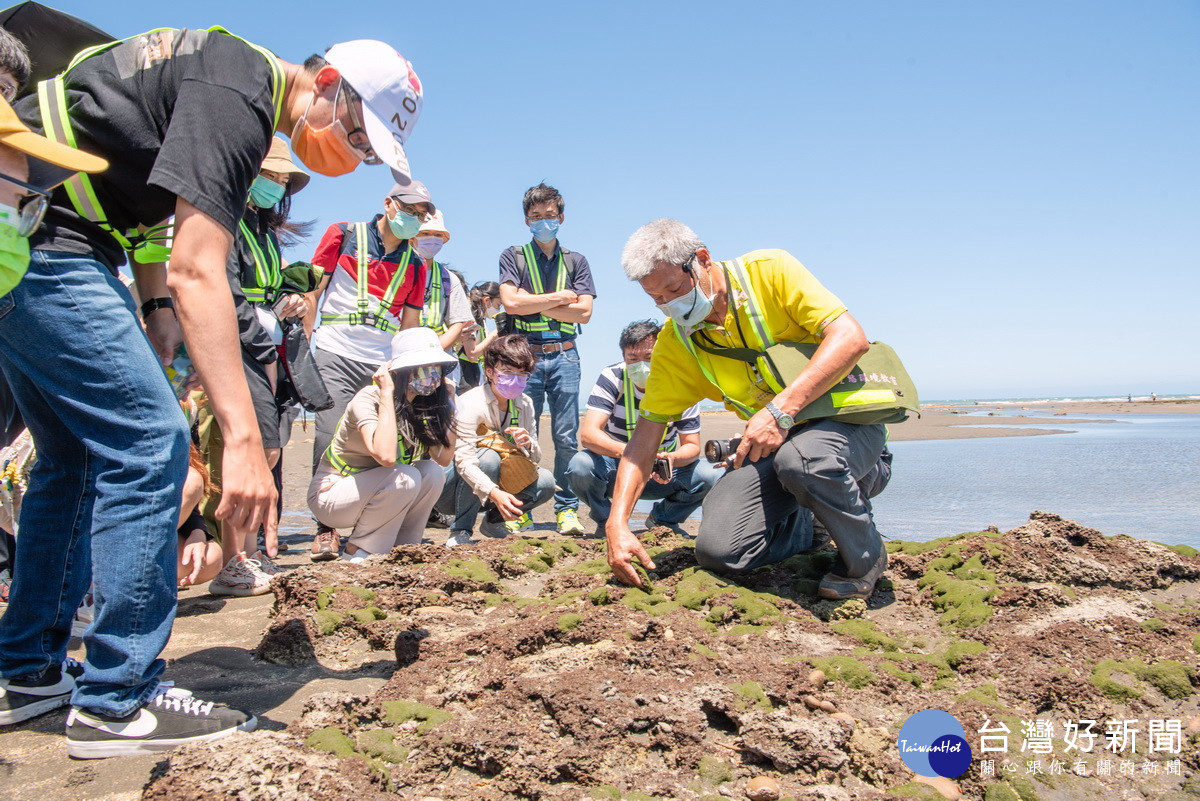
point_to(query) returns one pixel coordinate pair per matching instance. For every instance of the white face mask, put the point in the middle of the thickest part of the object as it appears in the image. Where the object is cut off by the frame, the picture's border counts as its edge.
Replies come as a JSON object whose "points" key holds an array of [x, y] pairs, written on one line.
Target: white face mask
{"points": [[493, 311], [428, 246], [639, 374], [689, 309]]}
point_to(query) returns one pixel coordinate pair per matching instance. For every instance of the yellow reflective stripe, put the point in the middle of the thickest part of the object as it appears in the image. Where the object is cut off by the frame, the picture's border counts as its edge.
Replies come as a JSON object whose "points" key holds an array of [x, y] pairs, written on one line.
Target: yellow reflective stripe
{"points": [[708, 374], [389, 297], [267, 273], [56, 122], [433, 315], [403, 456], [535, 280], [52, 100], [753, 309], [361, 254], [860, 397]]}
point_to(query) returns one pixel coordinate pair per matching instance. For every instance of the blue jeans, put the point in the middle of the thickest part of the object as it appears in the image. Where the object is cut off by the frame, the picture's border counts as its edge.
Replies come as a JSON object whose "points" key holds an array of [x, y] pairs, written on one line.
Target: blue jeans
{"points": [[556, 378], [592, 476], [104, 496], [458, 499]]}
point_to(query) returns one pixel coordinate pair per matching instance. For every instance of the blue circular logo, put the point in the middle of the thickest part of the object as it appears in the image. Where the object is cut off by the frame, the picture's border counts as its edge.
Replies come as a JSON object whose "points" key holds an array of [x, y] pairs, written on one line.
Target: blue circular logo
{"points": [[933, 743]]}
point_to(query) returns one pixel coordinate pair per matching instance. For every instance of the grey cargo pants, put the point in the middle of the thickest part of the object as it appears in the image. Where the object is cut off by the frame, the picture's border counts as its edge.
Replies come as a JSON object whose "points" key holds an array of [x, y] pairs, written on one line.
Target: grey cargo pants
{"points": [[762, 513]]}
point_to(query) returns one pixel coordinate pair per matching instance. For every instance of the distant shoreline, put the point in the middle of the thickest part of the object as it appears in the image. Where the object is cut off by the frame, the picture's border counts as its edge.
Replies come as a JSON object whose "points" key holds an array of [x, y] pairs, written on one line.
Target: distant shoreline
{"points": [[970, 421]]}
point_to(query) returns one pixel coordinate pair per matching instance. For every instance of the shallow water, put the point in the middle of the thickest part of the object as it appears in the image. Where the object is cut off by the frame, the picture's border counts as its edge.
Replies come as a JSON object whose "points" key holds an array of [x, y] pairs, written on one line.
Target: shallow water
{"points": [[1139, 475]]}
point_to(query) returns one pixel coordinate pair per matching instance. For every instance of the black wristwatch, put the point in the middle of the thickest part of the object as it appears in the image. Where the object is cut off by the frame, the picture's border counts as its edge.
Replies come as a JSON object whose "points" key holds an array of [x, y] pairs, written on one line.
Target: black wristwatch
{"points": [[154, 304]]}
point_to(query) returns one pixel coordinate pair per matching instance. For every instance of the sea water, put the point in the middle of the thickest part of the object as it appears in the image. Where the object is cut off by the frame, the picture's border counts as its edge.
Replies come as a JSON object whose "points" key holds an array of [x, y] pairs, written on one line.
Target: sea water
{"points": [[1137, 475]]}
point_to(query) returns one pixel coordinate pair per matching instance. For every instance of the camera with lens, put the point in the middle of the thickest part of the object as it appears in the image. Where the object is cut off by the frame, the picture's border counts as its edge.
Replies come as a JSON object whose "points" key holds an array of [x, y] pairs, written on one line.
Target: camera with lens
{"points": [[719, 450]]}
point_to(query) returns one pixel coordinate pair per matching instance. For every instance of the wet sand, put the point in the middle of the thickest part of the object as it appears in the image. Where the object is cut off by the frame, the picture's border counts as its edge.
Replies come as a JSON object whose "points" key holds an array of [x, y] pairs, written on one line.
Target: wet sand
{"points": [[211, 648]]}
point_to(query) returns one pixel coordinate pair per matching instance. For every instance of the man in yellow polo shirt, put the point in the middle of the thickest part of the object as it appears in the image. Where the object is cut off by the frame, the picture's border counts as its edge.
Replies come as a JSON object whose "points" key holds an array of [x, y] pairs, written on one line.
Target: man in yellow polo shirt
{"points": [[785, 472]]}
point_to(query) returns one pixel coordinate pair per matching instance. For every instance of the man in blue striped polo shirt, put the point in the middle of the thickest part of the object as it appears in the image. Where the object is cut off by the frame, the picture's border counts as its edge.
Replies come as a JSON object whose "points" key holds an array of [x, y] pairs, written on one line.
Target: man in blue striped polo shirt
{"points": [[610, 419]]}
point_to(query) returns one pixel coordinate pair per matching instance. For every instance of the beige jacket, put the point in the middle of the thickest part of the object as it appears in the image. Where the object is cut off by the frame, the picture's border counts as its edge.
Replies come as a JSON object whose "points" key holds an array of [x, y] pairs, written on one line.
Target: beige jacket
{"points": [[480, 405]]}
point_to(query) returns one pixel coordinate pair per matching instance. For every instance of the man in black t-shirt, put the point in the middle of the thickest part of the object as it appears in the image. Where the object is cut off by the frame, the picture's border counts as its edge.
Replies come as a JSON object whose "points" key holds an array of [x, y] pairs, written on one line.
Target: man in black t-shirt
{"points": [[547, 292], [185, 118]]}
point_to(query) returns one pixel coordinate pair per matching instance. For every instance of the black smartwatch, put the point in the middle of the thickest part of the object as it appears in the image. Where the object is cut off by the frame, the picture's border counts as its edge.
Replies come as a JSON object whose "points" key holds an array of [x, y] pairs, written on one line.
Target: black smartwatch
{"points": [[154, 304]]}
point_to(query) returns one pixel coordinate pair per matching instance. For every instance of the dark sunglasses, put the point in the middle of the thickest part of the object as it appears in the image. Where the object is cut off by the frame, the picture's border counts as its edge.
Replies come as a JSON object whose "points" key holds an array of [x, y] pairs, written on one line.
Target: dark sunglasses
{"points": [[31, 205]]}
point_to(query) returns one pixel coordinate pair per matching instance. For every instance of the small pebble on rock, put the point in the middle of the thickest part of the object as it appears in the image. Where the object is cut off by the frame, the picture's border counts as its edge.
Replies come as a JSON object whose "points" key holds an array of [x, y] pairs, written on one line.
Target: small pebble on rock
{"points": [[816, 678]]}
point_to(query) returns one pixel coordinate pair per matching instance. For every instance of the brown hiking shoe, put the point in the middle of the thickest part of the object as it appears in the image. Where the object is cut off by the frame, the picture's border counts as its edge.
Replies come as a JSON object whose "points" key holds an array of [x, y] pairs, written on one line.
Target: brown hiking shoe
{"points": [[840, 588], [325, 545]]}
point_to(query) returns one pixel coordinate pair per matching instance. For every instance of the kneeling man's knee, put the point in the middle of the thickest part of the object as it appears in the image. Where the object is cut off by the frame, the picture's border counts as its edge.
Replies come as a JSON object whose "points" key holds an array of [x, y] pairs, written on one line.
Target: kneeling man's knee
{"points": [[713, 552]]}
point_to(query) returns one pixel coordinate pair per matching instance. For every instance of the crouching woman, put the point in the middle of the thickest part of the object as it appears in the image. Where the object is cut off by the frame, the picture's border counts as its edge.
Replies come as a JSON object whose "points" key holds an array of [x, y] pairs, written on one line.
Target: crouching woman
{"points": [[372, 480]]}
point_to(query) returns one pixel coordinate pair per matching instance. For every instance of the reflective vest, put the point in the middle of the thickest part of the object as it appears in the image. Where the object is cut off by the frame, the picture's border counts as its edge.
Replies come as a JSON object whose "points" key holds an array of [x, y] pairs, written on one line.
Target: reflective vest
{"points": [[631, 412], [758, 338], [527, 262], [404, 454], [364, 315], [479, 337], [268, 273], [434, 314], [148, 247], [882, 392]]}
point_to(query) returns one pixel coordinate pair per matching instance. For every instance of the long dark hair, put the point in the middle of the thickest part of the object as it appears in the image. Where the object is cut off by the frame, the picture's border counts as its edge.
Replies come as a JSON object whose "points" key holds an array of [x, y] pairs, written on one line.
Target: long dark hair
{"points": [[275, 221], [480, 294], [427, 418]]}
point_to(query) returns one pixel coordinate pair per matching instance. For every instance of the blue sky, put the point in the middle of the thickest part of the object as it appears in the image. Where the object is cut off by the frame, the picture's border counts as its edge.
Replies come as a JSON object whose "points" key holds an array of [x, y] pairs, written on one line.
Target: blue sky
{"points": [[1007, 193]]}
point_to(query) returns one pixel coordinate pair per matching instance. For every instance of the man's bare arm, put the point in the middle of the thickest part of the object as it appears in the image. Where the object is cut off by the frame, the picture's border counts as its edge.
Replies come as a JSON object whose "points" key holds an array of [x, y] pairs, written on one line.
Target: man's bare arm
{"points": [[204, 305]]}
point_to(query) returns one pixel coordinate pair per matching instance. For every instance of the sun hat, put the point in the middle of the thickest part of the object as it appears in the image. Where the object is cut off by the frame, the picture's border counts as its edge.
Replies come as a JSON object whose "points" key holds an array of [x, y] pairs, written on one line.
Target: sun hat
{"points": [[435, 225], [17, 135], [391, 96], [412, 192], [417, 347], [279, 159]]}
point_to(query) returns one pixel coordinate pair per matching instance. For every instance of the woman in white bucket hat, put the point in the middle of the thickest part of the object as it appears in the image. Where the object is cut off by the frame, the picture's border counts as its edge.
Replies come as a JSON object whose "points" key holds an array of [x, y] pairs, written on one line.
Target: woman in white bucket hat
{"points": [[372, 480]]}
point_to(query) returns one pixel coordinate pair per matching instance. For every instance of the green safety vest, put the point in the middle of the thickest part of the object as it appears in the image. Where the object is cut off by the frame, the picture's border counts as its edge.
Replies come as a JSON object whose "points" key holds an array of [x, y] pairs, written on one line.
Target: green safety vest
{"points": [[884, 396], [479, 337], [527, 260], [148, 247], [434, 314], [404, 455], [631, 412], [364, 315], [268, 272]]}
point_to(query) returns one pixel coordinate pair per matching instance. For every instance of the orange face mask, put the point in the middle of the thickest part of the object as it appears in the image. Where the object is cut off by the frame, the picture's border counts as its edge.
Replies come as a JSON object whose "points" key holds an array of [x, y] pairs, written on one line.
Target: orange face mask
{"points": [[325, 150]]}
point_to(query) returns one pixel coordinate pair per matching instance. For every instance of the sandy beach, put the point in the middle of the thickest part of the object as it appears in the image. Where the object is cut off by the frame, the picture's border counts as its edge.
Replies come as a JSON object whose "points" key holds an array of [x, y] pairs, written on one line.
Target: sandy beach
{"points": [[211, 650]]}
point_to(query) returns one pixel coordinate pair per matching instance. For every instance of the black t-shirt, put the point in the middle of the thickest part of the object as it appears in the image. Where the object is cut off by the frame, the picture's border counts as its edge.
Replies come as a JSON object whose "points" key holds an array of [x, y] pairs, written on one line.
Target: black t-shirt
{"points": [[177, 113]]}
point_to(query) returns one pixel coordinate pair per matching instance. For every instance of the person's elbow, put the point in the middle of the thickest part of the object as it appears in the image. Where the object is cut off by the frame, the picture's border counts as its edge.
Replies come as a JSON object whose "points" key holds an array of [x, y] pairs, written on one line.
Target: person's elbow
{"points": [[384, 459], [585, 309]]}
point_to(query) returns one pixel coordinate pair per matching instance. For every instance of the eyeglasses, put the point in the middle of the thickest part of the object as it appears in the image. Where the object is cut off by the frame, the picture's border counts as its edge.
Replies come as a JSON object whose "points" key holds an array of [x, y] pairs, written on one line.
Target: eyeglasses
{"points": [[540, 217], [418, 210], [31, 206], [8, 89], [357, 136]]}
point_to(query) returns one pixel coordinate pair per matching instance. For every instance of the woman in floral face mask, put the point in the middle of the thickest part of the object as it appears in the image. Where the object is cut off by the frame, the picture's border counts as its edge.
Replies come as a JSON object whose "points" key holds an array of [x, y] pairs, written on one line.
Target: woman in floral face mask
{"points": [[372, 479], [497, 407]]}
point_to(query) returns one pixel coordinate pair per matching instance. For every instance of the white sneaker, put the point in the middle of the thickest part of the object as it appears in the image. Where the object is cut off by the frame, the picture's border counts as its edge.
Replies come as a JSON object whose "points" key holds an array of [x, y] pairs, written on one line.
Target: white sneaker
{"points": [[265, 564], [241, 577], [357, 558], [170, 718], [457, 538], [84, 615]]}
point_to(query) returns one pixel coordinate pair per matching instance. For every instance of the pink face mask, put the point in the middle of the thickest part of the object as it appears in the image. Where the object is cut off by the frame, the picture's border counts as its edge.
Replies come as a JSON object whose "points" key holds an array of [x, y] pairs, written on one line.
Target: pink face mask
{"points": [[510, 386]]}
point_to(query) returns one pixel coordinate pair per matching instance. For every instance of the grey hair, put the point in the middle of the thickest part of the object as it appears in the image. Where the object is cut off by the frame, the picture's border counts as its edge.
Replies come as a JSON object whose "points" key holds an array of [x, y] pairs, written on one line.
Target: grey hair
{"points": [[661, 240]]}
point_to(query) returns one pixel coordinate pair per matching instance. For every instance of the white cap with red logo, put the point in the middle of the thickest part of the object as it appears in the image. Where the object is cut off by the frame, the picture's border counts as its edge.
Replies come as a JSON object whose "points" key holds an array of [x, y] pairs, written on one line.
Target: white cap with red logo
{"points": [[391, 96]]}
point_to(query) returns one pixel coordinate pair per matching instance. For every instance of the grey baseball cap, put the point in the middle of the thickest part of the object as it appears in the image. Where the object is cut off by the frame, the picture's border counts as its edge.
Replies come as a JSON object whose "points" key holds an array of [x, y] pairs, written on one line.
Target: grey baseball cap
{"points": [[412, 192]]}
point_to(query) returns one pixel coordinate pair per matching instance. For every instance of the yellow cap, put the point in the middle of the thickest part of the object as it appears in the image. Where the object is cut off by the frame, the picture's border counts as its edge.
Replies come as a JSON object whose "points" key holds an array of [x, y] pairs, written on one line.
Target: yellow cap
{"points": [[16, 135]]}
